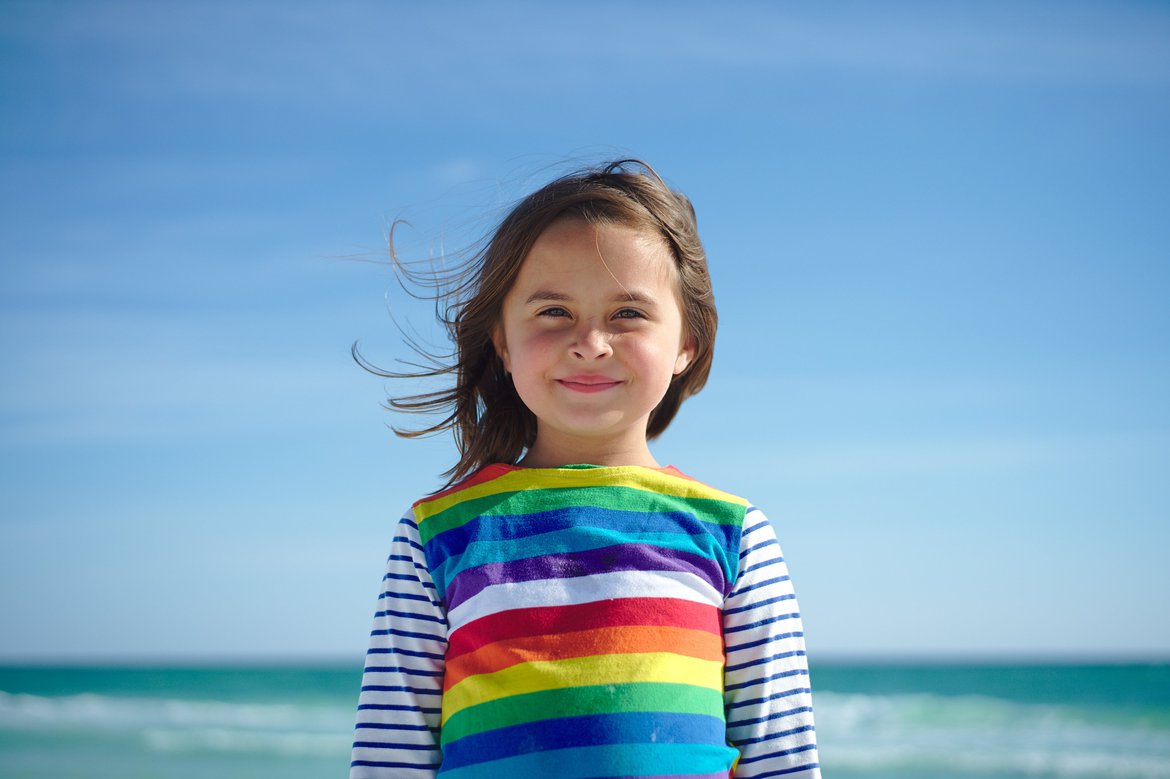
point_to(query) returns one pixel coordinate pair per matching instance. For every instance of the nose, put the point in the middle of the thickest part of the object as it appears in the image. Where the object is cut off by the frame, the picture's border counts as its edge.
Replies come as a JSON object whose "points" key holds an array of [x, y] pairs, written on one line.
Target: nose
{"points": [[591, 342]]}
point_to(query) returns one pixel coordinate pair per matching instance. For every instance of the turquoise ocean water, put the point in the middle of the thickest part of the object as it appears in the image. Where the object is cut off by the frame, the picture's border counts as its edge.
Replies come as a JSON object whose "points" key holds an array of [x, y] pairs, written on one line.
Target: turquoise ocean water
{"points": [[916, 721]]}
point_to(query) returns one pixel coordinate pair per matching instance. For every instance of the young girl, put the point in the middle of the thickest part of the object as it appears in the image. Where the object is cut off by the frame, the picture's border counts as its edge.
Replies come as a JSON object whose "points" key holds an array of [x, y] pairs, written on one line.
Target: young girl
{"points": [[567, 607]]}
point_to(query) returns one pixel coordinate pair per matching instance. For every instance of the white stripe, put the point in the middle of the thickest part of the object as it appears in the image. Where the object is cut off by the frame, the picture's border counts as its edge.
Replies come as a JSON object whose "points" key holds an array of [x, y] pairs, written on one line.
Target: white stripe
{"points": [[584, 589], [764, 767], [409, 737]]}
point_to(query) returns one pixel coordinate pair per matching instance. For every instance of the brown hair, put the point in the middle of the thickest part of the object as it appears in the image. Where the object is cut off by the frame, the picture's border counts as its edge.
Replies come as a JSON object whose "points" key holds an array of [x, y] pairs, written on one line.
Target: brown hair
{"points": [[489, 421]]}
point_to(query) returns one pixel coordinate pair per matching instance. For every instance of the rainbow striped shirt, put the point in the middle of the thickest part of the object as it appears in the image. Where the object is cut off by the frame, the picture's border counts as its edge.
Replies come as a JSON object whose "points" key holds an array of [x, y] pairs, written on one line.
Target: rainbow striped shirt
{"points": [[585, 622]]}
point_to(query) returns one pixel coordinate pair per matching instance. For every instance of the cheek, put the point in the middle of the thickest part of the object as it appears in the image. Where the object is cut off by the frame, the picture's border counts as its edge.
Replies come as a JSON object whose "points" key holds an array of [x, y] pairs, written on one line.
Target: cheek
{"points": [[532, 359], [654, 361], [533, 352]]}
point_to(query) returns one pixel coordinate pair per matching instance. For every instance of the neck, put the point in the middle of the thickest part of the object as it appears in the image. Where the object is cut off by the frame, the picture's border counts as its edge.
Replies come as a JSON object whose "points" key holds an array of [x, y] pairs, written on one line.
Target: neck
{"points": [[547, 452]]}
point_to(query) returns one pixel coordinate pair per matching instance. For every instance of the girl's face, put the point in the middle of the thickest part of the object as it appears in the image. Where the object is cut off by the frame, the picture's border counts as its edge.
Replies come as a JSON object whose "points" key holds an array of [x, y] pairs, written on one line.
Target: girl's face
{"points": [[592, 332]]}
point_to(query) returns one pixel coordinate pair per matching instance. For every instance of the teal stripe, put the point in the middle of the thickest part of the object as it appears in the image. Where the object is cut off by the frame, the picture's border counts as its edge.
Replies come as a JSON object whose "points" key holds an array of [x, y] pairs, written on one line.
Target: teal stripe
{"points": [[605, 760]]}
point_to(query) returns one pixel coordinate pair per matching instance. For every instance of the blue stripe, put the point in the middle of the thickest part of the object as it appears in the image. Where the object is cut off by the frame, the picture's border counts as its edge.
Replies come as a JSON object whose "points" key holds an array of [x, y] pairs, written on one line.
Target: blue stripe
{"points": [[781, 753], [778, 715], [407, 634], [396, 707], [763, 544], [764, 583], [401, 558], [410, 615], [407, 596], [393, 650], [405, 578], [409, 541], [391, 745], [537, 527], [392, 726], [398, 688], [773, 736], [515, 526], [785, 771], [774, 696], [751, 644], [754, 528], [761, 623], [389, 669], [762, 679], [758, 604], [762, 661], [765, 564], [586, 730]]}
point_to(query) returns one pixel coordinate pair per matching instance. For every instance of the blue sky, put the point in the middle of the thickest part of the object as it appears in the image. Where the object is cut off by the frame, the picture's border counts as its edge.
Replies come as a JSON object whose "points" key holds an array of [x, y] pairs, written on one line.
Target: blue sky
{"points": [[937, 231]]}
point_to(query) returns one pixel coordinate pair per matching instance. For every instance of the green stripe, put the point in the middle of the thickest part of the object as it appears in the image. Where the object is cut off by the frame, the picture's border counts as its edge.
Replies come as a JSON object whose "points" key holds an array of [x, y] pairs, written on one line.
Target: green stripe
{"points": [[710, 510], [573, 701]]}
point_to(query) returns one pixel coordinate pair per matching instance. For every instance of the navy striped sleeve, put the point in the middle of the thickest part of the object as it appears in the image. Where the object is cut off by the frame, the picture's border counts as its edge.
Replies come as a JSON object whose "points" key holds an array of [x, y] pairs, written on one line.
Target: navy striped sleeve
{"points": [[397, 731], [767, 697]]}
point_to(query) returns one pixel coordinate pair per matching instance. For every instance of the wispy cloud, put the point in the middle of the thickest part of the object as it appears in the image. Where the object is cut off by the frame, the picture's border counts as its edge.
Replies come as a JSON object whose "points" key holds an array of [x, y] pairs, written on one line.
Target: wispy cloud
{"points": [[965, 456], [372, 54], [115, 398], [459, 170], [115, 377]]}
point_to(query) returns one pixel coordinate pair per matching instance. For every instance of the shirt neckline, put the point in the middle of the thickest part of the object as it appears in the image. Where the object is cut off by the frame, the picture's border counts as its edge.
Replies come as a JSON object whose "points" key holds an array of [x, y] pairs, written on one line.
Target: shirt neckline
{"points": [[584, 468]]}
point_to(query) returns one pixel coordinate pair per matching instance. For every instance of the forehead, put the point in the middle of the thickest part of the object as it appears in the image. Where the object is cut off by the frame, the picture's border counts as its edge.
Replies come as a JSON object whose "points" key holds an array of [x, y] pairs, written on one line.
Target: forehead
{"points": [[572, 247]]}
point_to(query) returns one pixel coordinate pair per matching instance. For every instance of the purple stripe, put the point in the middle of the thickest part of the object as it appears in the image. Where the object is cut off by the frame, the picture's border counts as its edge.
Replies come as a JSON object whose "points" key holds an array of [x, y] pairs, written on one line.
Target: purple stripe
{"points": [[569, 565]]}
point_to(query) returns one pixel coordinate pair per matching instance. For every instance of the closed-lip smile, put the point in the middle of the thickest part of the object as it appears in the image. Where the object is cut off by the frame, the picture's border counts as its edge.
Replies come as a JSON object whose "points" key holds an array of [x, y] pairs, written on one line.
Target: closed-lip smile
{"points": [[588, 383]]}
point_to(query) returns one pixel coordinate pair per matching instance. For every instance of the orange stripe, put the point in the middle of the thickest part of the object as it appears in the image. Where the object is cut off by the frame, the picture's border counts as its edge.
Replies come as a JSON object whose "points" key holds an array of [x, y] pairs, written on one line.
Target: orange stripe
{"points": [[636, 639]]}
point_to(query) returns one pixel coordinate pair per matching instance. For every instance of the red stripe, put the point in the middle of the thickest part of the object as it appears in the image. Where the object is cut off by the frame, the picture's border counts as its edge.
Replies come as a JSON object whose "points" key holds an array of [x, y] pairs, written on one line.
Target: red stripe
{"points": [[544, 620]]}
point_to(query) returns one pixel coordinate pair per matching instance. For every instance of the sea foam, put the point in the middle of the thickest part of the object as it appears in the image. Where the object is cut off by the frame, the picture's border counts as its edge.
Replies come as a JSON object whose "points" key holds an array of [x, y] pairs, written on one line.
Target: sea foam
{"points": [[971, 734], [187, 725], [893, 734]]}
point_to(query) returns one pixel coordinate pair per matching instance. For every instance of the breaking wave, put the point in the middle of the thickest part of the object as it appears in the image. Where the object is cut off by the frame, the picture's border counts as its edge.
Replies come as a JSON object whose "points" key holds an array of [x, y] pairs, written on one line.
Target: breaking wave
{"points": [[977, 735], [175, 725]]}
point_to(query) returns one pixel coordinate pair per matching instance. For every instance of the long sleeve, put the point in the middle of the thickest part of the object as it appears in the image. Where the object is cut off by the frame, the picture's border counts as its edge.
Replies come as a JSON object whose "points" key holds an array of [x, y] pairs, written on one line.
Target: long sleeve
{"points": [[397, 731], [767, 695]]}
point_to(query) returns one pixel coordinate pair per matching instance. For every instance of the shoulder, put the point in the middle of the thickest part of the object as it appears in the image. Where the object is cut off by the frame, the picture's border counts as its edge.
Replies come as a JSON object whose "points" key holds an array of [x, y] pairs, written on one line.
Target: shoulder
{"points": [[483, 475], [693, 487]]}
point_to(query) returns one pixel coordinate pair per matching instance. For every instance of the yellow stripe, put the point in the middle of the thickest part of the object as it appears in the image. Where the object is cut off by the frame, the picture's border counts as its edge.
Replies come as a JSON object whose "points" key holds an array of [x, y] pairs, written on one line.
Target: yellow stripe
{"points": [[553, 478], [582, 671]]}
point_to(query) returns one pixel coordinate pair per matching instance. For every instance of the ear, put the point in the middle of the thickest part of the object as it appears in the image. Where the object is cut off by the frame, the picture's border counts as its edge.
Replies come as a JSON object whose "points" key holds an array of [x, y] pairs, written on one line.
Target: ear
{"points": [[685, 355], [501, 347]]}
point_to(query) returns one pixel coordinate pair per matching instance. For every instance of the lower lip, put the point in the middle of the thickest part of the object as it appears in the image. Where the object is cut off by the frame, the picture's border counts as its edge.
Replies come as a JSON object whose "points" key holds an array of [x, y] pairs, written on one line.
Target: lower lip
{"points": [[577, 386]]}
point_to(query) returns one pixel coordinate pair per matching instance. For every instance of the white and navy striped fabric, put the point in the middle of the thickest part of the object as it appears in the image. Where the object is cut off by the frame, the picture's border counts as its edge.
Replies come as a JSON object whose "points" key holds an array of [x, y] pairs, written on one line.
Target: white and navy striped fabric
{"points": [[397, 732], [766, 691]]}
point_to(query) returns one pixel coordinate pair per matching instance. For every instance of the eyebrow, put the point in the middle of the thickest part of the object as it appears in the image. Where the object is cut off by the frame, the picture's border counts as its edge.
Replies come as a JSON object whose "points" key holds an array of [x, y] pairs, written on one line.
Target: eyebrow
{"points": [[545, 296]]}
